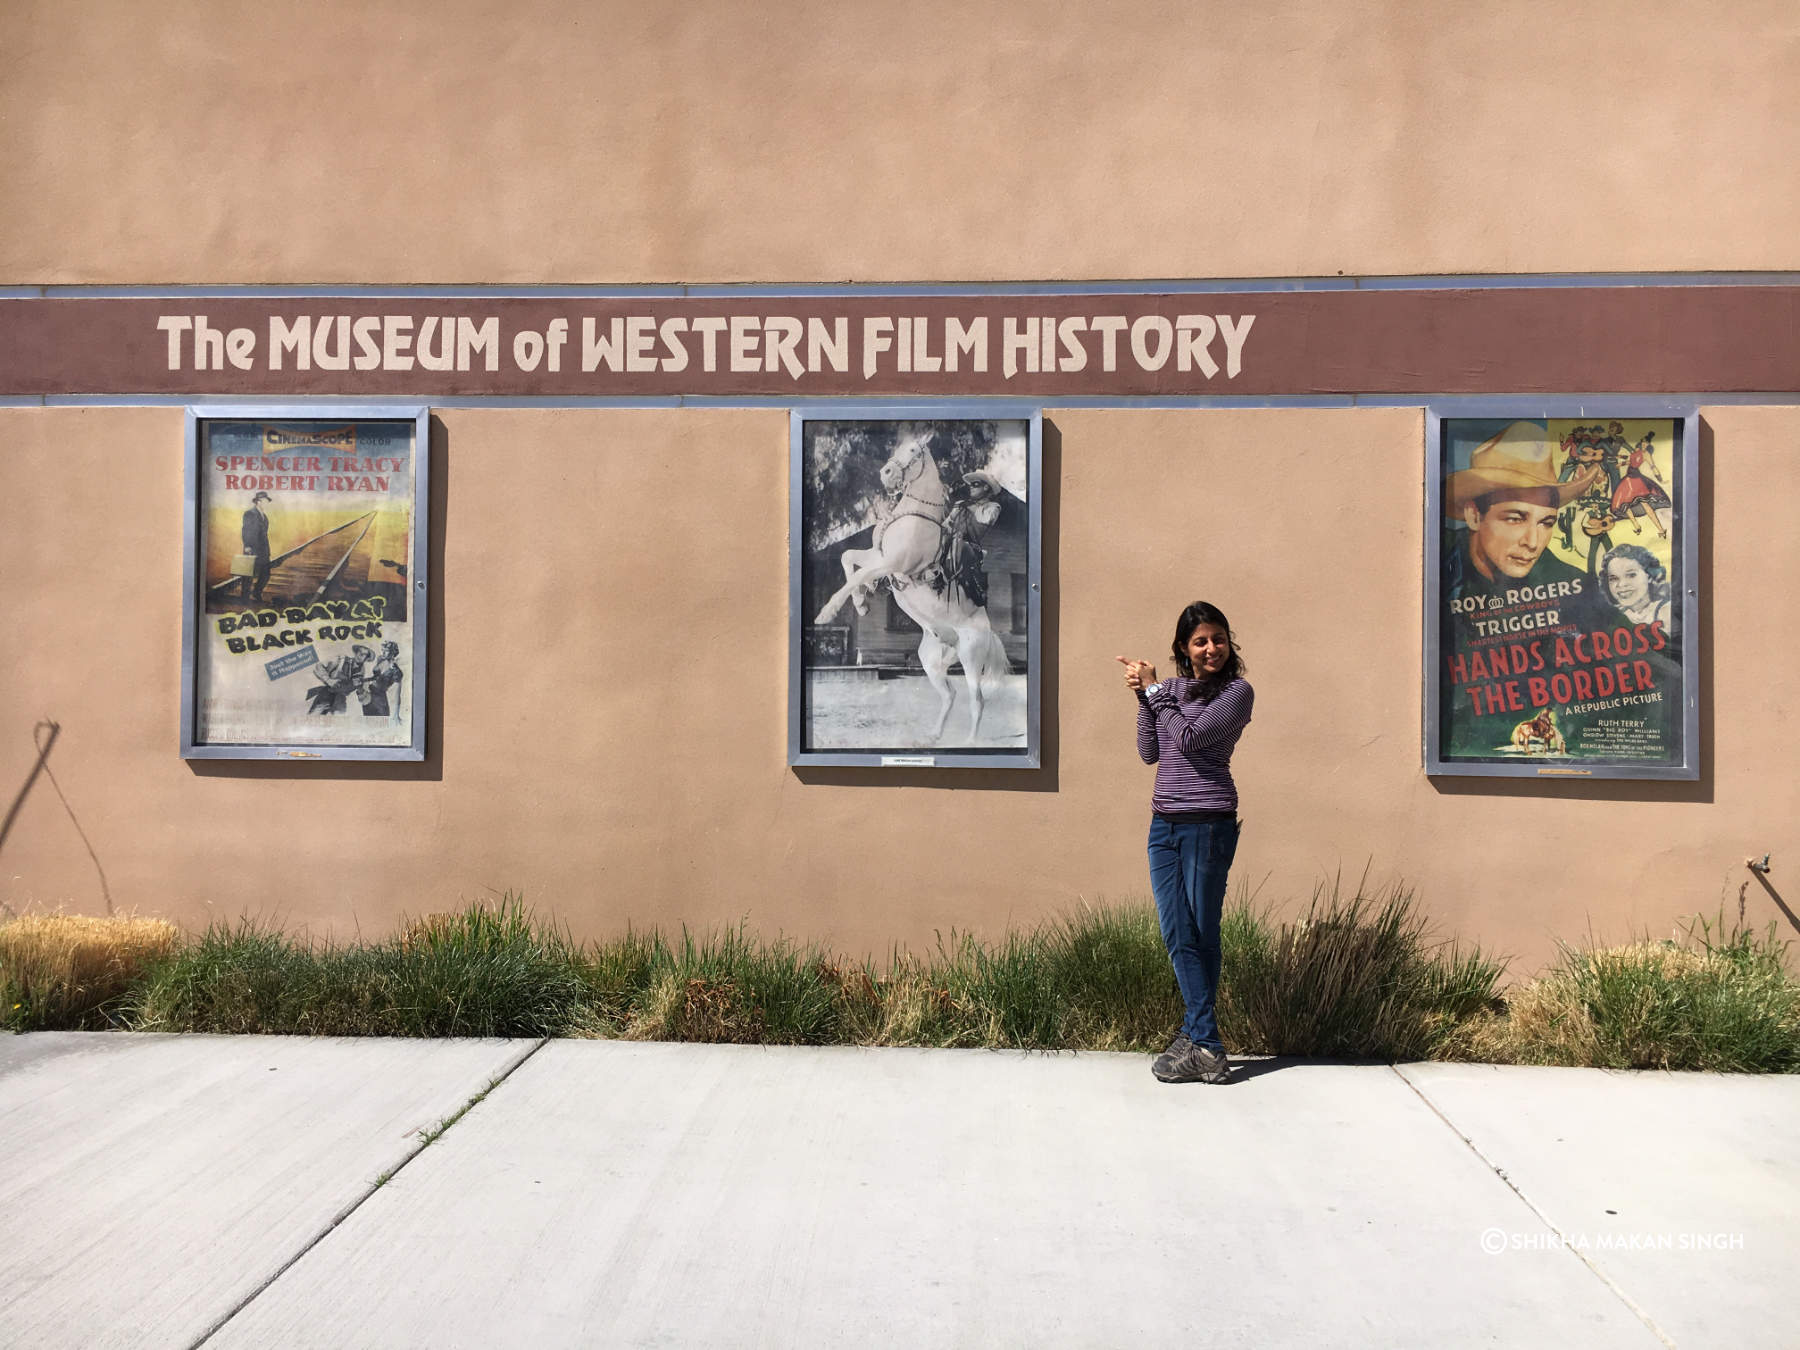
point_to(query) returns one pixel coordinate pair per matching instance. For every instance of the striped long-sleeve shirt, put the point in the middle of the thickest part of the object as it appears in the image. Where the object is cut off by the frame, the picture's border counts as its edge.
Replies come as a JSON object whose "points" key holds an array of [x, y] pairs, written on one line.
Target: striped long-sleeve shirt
{"points": [[1190, 741]]}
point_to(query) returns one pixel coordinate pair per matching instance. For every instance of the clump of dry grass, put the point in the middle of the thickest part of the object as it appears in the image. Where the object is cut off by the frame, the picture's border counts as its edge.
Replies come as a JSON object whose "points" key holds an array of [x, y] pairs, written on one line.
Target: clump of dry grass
{"points": [[1359, 976], [1716, 1000], [69, 972]]}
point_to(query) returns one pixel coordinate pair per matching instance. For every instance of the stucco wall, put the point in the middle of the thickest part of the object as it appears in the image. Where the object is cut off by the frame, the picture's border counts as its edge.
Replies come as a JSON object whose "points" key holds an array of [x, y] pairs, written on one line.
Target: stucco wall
{"points": [[609, 687], [608, 672], [809, 140]]}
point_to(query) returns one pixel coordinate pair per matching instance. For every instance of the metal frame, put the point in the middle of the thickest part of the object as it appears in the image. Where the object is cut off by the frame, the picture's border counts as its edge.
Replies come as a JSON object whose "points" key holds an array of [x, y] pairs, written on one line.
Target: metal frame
{"points": [[193, 582], [946, 410], [1685, 585]]}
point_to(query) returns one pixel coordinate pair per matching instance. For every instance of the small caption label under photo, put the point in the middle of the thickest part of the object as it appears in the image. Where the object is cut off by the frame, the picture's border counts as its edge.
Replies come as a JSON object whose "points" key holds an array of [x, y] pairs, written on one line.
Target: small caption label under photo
{"points": [[1497, 1241]]}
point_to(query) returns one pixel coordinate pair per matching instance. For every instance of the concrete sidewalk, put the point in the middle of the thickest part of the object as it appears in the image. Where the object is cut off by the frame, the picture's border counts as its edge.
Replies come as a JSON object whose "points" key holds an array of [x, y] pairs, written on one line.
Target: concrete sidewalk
{"points": [[254, 1192]]}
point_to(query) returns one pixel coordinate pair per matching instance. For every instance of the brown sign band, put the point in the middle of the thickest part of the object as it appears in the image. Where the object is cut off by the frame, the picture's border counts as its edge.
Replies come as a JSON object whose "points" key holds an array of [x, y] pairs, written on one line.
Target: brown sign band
{"points": [[1614, 339]]}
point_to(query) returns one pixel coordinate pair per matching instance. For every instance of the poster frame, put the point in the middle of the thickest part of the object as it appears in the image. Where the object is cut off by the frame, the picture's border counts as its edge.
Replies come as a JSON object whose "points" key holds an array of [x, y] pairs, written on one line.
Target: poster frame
{"points": [[1031, 756], [1685, 413], [194, 580]]}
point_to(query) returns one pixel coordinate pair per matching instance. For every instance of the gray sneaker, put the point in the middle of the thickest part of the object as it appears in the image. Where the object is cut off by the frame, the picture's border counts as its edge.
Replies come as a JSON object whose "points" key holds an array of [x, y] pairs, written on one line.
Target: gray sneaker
{"points": [[1166, 1060], [1197, 1064]]}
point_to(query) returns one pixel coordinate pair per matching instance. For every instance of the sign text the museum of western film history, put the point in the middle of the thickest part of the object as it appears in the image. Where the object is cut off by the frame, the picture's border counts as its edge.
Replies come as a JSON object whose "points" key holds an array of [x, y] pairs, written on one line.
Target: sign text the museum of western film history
{"points": [[1120, 344], [899, 343]]}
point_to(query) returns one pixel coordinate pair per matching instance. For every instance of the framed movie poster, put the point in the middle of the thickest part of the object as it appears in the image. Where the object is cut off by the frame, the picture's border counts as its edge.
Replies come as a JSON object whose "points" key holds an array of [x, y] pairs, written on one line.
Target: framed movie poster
{"points": [[913, 586], [304, 628], [1560, 596]]}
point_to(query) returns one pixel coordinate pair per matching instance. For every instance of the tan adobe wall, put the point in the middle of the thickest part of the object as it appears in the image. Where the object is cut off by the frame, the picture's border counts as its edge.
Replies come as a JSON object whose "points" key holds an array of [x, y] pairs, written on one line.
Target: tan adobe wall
{"points": [[199, 141], [609, 689]]}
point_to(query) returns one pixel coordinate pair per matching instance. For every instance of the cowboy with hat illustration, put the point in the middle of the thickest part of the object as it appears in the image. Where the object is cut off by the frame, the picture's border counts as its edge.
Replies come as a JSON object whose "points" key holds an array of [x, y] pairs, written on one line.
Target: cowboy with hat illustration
{"points": [[1509, 498]]}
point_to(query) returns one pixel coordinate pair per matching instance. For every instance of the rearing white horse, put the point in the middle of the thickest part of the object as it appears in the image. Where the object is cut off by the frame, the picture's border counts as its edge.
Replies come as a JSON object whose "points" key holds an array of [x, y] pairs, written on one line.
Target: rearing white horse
{"points": [[909, 528], [909, 534]]}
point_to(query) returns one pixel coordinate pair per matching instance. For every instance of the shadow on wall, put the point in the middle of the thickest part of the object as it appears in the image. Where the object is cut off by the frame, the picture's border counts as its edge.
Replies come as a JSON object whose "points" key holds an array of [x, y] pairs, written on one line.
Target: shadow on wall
{"points": [[431, 768], [1761, 872], [44, 736], [1625, 789]]}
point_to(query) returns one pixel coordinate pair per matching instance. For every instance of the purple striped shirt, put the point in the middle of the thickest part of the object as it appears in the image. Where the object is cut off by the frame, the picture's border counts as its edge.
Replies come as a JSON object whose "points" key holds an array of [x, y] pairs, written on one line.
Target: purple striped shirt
{"points": [[1191, 741]]}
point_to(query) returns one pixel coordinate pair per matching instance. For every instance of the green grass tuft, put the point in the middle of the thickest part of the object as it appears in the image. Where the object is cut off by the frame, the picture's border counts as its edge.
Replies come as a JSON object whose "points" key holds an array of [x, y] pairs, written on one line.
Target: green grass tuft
{"points": [[1359, 977], [481, 972], [1719, 999]]}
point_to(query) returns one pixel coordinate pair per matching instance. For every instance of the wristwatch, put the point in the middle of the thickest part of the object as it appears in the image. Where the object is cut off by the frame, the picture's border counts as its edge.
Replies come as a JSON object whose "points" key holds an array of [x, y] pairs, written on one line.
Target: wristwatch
{"points": [[1152, 689]]}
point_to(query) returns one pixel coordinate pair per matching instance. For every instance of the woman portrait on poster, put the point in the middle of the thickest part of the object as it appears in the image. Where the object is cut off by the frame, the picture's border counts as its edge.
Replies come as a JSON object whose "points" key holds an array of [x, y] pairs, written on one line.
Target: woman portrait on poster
{"points": [[1188, 726], [1636, 582]]}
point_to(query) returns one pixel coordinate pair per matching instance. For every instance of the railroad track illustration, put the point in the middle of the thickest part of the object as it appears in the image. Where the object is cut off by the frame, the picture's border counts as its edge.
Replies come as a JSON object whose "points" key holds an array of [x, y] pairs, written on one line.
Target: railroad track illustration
{"points": [[308, 571]]}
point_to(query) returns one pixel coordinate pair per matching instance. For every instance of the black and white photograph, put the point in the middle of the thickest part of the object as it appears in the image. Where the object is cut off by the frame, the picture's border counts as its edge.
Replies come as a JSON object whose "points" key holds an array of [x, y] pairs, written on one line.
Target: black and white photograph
{"points": [[916, 560]]}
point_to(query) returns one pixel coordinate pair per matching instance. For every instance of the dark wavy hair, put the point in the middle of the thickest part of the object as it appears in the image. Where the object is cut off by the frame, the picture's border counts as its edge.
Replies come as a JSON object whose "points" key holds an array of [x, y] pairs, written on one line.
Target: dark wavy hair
{"points": [[1191, 618], [1654, 572]]}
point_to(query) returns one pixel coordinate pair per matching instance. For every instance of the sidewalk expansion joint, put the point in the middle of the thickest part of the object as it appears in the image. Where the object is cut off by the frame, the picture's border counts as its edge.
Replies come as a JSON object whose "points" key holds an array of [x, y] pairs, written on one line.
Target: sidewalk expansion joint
{"points": [[1561, 1237], [426, 1139]]}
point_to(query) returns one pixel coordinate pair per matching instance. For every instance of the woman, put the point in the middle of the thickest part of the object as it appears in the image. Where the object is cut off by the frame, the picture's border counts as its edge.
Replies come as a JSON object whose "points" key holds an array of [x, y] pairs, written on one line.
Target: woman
{"points": [[1188, 726], [385, 676], [1634, 579], [1638, 493]]}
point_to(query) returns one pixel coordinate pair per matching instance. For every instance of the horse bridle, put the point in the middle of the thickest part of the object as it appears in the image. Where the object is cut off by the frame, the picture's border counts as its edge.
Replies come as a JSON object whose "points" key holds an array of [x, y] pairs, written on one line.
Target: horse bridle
{"points": [[910, 473]]}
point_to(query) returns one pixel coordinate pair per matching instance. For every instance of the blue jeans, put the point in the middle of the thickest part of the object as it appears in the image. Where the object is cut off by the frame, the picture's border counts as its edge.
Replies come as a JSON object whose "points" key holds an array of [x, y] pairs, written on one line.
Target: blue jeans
{"points": [[1188, 867]]}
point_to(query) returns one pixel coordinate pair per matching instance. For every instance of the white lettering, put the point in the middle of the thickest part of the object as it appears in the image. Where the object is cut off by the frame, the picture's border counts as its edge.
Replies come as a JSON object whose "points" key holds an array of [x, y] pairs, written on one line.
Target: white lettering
{"points": [[971, 340], [1234, 335], [1109, 326], [1194, 334], [442, 358], [175, 325], [1140, 346], [1016, 337], [239, 343], [368, 350], [677, 359], [396, 337], [297, 339], [876, 339], [744, 337], [595, 349], [1074, 352], [781, 335], [709, 330], [323, 357], [209, 345], [833, 346], [640, 342], [471, 338]]}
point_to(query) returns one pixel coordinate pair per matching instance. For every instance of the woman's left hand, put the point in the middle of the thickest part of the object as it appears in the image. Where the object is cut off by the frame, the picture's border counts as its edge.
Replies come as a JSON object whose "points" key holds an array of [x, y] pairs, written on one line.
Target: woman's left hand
{"points": [[1139, 675]]}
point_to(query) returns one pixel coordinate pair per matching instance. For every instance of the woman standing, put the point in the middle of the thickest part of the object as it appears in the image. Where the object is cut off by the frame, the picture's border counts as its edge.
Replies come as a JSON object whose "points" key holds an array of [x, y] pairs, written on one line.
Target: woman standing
{"points": [[1188, 726], [1640, 493]]}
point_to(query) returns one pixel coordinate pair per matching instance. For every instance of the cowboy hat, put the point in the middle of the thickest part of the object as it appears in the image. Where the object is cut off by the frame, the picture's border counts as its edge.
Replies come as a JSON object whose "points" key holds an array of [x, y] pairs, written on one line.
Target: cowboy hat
{"points": [[1518, 458]]}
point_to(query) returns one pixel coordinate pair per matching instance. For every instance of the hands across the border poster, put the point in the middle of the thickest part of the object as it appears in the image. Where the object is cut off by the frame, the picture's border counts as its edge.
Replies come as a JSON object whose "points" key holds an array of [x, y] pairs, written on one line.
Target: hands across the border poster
{"points": [[1558, 636]]}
